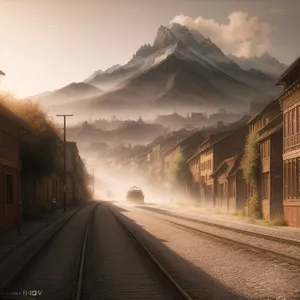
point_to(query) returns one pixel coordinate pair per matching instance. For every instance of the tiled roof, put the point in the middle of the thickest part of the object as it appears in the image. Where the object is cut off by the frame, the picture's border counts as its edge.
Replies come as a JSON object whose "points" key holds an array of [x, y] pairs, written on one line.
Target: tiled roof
{"points": [[186, 140], [268, 105], [230, 164], [290, 67]]}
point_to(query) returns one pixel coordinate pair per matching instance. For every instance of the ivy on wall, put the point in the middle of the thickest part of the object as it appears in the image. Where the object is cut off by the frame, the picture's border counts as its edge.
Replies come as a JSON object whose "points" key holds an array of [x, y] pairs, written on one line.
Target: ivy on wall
{"points": [[250, 167]]}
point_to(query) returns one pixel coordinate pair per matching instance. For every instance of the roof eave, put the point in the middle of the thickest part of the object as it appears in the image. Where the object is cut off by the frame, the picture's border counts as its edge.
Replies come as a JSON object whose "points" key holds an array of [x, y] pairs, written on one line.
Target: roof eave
{"points": [[287, 71]]}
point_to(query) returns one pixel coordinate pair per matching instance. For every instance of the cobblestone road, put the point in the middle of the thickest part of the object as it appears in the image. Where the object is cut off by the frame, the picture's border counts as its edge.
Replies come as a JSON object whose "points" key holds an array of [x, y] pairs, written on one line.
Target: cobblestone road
{"points": [[203, 264]]}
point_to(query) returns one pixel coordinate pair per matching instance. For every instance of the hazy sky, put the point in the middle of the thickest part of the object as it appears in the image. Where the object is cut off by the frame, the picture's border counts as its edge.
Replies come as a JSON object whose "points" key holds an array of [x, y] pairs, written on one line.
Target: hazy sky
{"points": [[46, 44]]}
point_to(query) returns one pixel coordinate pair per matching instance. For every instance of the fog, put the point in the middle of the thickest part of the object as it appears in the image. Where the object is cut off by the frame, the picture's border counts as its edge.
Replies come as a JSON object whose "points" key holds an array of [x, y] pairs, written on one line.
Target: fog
{"points": [[112, 184]]}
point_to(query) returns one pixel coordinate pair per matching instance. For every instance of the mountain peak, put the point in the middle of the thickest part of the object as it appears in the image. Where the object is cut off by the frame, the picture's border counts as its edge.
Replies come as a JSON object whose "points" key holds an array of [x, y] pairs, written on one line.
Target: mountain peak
{"points": [[164, 38]]}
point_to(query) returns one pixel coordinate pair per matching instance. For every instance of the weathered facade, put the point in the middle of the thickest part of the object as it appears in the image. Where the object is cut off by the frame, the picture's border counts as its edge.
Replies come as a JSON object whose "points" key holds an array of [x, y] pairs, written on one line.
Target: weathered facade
{"points": [[11, 129], [77, 181], [290, 106], [210, 155], [267, 124], [231, 189], [41, 190]]}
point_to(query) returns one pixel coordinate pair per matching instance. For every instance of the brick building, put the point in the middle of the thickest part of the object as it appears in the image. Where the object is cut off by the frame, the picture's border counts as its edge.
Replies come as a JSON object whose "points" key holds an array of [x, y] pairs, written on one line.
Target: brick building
{"points": [[290, 105], [11, 129]]}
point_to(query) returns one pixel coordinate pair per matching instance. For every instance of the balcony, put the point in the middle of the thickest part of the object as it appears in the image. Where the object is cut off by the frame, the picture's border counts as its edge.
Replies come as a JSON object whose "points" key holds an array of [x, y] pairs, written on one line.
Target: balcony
{"points": [[292, 142]]}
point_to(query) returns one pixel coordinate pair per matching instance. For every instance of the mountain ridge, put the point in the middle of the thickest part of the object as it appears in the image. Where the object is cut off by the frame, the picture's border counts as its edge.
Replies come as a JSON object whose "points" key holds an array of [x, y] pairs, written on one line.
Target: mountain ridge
{"points": [[181, 68]]}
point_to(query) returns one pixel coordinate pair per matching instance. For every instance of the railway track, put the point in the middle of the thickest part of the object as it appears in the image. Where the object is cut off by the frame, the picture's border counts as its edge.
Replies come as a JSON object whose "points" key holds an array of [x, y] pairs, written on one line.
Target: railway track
{"points": [[282, 244], [26, 264], [268, 252], [245, 232], [19, 277], [148, 254], [83, 256]]}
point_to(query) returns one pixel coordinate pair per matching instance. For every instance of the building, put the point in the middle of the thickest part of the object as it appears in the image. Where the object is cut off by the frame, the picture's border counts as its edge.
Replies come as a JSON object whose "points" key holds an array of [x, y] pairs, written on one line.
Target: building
{"points": [[11, 130], [77, 177], [155, 153], [290, 105], [231, 188], [42, 174], [210, 154], [173, 121], [41, 186], [267, 124], [187, 147]]}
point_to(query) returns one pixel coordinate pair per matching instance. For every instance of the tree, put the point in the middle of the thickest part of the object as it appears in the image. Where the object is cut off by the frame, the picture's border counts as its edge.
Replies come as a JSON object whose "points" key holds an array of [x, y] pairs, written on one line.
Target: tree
{"points": [[179, 173]]}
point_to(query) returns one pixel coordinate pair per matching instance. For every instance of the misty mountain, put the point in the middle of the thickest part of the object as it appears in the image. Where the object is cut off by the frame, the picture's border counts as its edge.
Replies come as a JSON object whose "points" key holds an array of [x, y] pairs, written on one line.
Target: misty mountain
{"points": [[100, 72], [127, 132], [264, 63], [181, 69], [68, 93]]}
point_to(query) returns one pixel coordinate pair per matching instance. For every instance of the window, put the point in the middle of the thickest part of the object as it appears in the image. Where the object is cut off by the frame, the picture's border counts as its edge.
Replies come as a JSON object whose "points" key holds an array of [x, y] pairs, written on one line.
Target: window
{"points": [[265, 150], [291, 125], [292, 179], [286, 171], [265, 186], [285, 125], [9, 189]]}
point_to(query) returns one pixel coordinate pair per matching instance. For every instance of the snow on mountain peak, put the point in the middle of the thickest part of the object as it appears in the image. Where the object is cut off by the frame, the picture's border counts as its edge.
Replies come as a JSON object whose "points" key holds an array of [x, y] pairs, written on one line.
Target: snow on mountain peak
{"points": [[164, 38]]}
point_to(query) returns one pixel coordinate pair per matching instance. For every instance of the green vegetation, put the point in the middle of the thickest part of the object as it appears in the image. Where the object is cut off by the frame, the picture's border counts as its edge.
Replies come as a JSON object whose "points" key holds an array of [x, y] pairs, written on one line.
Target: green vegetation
{"points": [[37, 150], [250, 167], [250, 161], [277, 221], [240, 213], [218, 212], [179, 172]]}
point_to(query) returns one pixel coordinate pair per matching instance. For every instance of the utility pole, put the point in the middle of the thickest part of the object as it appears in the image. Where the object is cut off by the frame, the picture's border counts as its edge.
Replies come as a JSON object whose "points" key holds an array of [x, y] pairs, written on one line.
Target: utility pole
{"points": [[65, 156], [93, 183]]}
